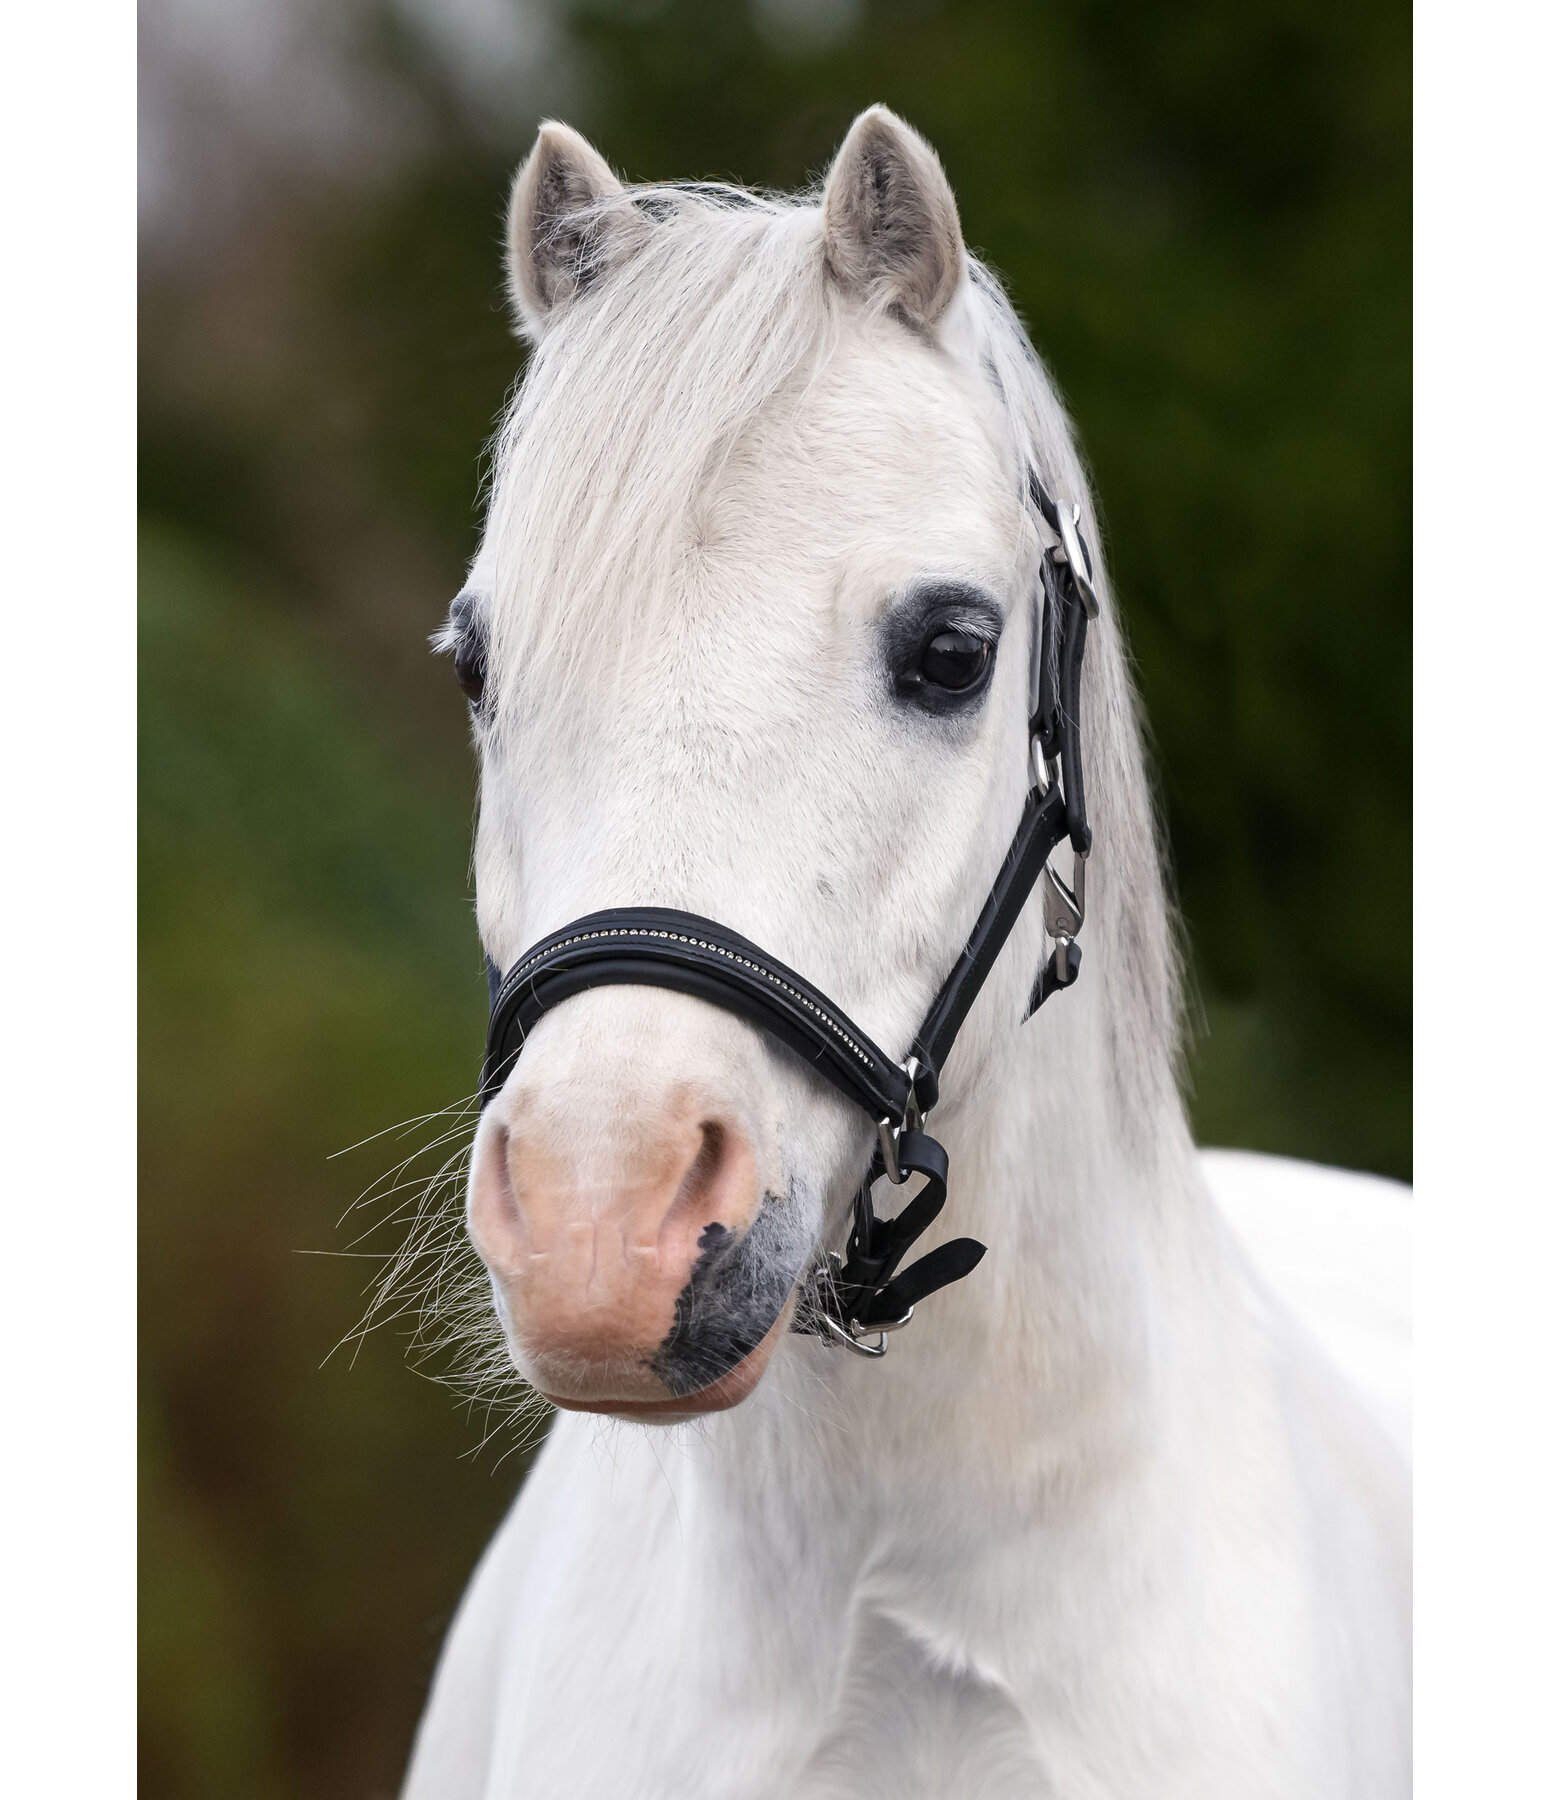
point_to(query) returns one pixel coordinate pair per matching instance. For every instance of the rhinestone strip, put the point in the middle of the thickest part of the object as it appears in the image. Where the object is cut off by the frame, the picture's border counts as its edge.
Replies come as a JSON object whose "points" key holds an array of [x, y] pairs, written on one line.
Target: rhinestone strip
{"points": [[519, 973]]}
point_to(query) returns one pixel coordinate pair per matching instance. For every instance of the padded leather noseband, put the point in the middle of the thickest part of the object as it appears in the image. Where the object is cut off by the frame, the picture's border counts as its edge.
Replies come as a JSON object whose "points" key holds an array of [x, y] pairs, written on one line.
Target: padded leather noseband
{"points": [[865, 1293]]}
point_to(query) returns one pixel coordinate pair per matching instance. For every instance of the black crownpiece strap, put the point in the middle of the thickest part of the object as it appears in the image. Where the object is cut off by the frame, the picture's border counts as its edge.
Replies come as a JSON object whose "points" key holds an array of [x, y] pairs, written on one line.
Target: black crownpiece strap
{"points": [[661, 947]]}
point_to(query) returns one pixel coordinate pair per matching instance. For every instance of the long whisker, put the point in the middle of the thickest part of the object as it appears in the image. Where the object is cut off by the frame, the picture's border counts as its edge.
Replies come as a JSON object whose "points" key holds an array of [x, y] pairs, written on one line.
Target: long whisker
{"points": [[430, 1283], [403, 1127]]}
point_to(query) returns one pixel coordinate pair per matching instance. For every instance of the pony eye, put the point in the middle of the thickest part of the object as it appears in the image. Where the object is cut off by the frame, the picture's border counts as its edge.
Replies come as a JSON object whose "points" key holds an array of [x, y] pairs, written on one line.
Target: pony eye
{"points": [[939, 646], [954, 660], [468, 666], [463, 635]]}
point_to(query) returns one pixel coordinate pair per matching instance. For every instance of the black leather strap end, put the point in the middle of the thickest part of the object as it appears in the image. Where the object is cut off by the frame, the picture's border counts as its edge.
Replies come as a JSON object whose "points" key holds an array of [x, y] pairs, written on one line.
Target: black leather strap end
{"points": [[1049, 981], [947, 1263]]}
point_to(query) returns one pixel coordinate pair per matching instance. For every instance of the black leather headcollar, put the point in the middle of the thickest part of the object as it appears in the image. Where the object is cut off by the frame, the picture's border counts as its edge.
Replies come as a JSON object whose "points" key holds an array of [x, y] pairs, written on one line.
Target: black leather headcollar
{"points": [[659, 947]]}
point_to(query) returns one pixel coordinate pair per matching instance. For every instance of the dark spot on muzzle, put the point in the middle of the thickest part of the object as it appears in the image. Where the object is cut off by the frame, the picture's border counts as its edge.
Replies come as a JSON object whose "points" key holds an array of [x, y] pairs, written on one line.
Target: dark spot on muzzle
{"points": [[731, 1299]]}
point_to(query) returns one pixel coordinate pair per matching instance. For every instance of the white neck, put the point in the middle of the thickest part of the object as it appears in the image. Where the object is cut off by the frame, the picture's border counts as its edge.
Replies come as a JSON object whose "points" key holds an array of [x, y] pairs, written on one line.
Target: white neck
{"points": [[1039, 1367]]}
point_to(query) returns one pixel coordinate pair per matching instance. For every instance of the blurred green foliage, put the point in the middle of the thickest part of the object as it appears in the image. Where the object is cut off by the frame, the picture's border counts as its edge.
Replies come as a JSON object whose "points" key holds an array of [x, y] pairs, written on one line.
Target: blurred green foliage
{"points": [[309, 974], [1202, 211]]}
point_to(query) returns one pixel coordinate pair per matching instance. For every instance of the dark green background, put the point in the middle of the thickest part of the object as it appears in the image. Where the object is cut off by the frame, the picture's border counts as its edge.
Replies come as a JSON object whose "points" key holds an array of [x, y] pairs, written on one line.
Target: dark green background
{"points": [[1201, 210]]}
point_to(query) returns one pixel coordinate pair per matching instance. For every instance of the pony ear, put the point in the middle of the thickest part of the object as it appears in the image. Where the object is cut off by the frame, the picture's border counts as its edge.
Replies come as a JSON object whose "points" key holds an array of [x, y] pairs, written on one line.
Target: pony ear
{"points": [[890, 223], [558, 240]]}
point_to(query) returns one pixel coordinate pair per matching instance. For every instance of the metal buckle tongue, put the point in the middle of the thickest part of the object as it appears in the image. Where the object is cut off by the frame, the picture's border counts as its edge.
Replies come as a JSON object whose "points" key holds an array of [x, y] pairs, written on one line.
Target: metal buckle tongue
{"points": [[888, 1149], [1065, 906], [1076, 555], [888, 1133]]}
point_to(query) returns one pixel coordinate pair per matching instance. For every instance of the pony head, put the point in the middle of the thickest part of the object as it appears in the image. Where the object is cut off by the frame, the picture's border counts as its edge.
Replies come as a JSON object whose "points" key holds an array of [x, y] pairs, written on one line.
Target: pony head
{"points": [[748, 635]]}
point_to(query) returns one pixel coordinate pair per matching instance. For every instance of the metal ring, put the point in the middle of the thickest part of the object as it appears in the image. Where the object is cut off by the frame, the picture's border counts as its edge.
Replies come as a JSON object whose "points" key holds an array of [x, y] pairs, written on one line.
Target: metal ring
{"points": [[887, 1325], [832, 1331], [1076, 556], [914, 1118], [888, 1146], [1042, 779]]}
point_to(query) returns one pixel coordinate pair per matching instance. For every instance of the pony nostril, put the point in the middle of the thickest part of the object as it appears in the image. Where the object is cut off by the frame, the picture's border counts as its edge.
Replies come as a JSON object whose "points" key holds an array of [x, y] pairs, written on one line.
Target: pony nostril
{"points": [[714, 1196], [495, 1215], [701, 1173]]}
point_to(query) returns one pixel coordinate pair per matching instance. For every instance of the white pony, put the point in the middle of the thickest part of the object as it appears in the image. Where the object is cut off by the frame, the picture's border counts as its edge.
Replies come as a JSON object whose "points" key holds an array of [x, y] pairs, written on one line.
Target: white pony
{"points": [[749, 635]]}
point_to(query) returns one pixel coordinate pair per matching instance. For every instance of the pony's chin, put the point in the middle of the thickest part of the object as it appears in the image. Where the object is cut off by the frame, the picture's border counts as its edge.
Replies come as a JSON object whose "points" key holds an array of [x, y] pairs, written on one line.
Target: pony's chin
{"points": [[726, 1391]]}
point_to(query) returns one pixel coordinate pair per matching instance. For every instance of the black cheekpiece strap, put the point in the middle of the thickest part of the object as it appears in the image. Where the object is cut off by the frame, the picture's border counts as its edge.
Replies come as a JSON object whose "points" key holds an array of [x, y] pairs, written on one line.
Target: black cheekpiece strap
{"points": [[1041, 828]]}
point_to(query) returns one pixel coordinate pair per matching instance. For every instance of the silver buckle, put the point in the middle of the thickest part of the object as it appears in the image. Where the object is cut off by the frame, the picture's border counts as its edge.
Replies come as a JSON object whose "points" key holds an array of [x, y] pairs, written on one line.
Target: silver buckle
{"points": [[1070, 517], [1065, 906], [888, 1144], [815, 1319], [831, 1331], [1042, 779], [888, 1133]]}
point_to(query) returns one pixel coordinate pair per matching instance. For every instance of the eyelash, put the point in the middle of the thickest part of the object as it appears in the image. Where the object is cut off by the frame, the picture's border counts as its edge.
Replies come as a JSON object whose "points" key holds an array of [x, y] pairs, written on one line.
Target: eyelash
{"points": [[941, 690], [464, 637]]}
